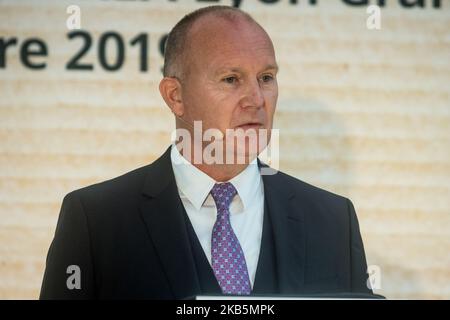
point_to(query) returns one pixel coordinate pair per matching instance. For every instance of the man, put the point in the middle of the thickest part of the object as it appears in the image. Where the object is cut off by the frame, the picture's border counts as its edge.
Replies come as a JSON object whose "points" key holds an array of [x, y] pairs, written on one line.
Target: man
{"points": [[179, 227]]}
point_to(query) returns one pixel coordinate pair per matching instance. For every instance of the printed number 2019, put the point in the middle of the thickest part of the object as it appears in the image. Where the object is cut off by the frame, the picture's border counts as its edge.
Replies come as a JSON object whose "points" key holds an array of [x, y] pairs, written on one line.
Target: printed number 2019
{"points": [[75, 62]]}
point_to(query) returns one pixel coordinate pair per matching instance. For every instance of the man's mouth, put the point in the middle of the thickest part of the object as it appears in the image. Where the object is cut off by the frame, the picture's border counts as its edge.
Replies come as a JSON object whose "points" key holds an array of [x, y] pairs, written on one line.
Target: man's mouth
{"points": [[250, 125]]}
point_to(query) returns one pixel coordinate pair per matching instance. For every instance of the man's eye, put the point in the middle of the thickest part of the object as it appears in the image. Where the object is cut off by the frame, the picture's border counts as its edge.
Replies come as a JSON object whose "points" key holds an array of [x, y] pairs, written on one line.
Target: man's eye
{"points": [[267, 78], [230, 80]]}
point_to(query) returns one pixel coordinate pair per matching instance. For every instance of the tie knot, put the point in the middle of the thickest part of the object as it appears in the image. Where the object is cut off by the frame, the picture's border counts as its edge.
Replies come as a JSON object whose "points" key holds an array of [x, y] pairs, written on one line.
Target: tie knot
{"points": [[223, 194]]}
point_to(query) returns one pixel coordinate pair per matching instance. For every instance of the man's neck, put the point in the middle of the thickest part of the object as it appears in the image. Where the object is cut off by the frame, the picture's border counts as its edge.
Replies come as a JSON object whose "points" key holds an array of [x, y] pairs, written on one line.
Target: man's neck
{"points": [[221, 172]]}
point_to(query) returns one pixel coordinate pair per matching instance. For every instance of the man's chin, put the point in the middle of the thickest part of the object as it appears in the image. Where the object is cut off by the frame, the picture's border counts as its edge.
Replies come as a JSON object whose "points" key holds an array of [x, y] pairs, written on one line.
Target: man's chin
{"points": [[242, 156]]}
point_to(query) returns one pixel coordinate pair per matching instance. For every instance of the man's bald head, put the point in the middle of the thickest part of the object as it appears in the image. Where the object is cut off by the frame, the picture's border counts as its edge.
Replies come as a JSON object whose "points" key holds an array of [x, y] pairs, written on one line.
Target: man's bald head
{"points": [[177, 46]]}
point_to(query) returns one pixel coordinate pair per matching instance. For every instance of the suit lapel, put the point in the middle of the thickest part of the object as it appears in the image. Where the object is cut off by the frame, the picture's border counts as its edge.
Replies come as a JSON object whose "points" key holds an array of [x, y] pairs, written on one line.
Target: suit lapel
{"points": [[288, 233], [162, 211]]}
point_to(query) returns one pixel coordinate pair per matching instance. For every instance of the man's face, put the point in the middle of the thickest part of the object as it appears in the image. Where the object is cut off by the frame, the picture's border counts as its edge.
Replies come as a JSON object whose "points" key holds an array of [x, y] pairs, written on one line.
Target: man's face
{"points": [[230, 79]]}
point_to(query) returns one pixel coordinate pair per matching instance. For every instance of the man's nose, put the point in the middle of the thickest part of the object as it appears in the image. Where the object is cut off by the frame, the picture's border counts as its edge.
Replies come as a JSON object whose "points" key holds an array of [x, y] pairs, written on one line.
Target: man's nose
{"points": [[253, 95]]}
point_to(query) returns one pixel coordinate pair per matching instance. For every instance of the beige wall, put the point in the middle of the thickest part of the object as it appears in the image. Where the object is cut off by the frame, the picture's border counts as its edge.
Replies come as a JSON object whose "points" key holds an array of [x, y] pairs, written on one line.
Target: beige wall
{"points": [[362, 113]]}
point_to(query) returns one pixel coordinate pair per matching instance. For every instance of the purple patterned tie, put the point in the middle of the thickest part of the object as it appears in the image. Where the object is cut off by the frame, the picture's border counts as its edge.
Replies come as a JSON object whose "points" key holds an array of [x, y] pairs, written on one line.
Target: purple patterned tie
{"points": [[227, 257]]}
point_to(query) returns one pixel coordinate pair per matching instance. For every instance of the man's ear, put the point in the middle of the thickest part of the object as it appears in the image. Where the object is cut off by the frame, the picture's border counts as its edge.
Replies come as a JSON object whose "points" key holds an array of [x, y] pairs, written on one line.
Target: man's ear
{"points": [[170, 89]]}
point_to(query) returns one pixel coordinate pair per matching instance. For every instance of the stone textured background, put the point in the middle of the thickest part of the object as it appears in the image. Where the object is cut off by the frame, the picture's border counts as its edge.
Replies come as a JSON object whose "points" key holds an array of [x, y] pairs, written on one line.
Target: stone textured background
{"points": [[362, 113]]}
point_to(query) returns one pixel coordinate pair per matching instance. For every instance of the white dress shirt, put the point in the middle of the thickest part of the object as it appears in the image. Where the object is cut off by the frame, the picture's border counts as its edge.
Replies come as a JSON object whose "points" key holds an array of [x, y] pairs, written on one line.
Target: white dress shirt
{"points": [[246, 209]]}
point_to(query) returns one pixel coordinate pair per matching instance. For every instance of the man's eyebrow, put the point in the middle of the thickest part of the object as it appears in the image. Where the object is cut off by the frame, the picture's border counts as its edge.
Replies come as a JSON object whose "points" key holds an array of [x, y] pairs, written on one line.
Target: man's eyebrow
{"points": [[228, 69], [239, 70], [271, 67]]}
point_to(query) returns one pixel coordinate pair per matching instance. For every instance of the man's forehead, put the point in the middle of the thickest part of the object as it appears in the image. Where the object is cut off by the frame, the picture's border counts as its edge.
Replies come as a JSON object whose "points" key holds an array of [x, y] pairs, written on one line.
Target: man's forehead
{"points": [[240, 60], [222, 45]]}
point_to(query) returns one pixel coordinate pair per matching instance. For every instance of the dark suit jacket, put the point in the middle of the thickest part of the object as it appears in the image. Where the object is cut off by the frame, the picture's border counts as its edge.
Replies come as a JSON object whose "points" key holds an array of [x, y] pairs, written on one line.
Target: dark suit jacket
{"points": [[128, 236]]}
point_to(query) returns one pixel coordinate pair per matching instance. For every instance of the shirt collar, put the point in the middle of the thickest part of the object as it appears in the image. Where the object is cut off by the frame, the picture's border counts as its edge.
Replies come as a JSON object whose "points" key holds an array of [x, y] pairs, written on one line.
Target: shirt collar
{"points": [[196, 185]]}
